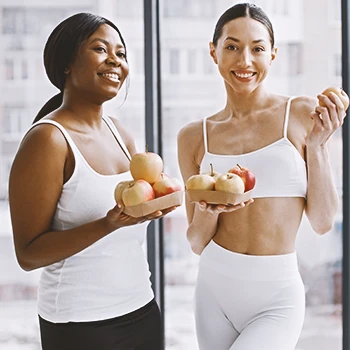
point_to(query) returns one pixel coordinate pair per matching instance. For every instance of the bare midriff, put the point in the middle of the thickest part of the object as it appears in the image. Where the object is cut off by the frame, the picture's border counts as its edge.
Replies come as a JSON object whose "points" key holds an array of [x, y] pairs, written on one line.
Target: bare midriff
{"points": [[266, 227]]}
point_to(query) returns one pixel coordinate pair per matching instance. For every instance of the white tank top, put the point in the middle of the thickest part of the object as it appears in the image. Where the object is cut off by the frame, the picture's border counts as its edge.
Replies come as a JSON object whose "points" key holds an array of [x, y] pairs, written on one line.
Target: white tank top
{"points": [[110, 278], [279, 168]]}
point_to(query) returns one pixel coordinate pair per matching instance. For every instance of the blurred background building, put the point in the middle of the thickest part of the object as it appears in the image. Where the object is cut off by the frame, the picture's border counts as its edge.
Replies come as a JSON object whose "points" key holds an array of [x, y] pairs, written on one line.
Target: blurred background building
{"points": [[308, 37]]}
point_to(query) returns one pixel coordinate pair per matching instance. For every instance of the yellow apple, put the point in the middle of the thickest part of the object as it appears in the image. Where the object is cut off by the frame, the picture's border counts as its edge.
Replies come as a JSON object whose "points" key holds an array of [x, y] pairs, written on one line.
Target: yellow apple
{"points": [[213, 173], [146, 166], [119, 190], [344, 98], [137, 192], [200, 182], [229, 182]]}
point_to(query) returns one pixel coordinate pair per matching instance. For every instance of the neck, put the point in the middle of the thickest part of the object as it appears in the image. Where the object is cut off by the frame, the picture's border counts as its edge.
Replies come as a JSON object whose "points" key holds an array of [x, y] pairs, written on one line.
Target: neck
{"points": [[88, 112], [241, 104]]}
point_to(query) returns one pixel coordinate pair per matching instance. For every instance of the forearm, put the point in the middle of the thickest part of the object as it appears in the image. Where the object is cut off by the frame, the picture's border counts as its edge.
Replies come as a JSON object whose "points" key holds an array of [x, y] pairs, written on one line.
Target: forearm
{"points": [[322, 196], [201, 230], [51, 247]]}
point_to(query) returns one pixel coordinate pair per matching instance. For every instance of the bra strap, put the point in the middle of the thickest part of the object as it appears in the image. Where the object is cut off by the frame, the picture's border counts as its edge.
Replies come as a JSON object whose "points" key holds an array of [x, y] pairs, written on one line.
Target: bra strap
{"points": [[286, 118], [205, 136]]}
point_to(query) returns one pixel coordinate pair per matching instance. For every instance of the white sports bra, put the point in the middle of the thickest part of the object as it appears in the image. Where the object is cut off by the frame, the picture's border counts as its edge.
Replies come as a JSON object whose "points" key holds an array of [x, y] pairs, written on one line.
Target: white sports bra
{"points": [[279, 168]]}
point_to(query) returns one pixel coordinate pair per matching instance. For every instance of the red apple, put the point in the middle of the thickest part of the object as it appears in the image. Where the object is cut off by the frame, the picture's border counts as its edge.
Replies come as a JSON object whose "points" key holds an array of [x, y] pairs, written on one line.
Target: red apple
{"points": [[137, 192], [146, 166], [166, 185], [119, 190], [229, 182], [200, 182], [247, 176], [344, 98]]}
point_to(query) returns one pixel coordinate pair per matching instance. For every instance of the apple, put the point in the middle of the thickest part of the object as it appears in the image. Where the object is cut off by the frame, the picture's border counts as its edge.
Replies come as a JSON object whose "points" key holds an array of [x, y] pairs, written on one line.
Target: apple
{"points": [[200, 182], [146, 166], [230, 182], [213, 173], [247, 176], [163, 176], [137, 192], [344, 98], [119, 190], [166, 185]]}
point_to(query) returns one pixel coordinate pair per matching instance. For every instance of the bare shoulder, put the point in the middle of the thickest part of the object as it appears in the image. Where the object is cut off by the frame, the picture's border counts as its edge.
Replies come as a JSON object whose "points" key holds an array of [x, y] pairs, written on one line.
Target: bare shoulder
{"points": [[191, 133], [190, 147], [303, 105], [46, 136], [125, 134], [300, 110]]}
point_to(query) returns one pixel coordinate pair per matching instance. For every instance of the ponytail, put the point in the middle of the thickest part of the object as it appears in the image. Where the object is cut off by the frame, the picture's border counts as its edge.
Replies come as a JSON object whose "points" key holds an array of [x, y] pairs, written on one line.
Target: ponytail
{"points": [[52, 104]]}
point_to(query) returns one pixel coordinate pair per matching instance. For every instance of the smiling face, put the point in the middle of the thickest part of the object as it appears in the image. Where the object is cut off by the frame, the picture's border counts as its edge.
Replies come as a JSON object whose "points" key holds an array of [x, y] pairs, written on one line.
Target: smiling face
{"points": [[243, 54], [100, 66]]}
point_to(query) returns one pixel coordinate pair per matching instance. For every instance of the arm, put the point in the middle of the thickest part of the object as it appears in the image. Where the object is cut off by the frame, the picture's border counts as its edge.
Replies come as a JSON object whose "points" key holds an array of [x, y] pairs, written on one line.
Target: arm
{"points": [[202, 217], [35, 185], [202, 224], [322, 196]]}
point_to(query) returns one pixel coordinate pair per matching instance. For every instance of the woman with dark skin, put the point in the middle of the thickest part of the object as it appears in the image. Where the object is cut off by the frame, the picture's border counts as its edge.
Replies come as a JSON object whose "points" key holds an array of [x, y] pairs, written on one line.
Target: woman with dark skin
{"points": [[94, 291], [249, 293]]}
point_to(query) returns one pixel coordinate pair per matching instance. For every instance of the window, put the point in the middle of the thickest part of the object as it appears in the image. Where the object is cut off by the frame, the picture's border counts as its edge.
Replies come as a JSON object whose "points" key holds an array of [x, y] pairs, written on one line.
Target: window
{"points": [[24, 74], [294, 59], [129, 8], [278, 7], [9, 69], [17, 68], [337, 65], [16, 120], [174, 57], [191, 61], [24, 20], [334, 11], [208, 63], [193, 8]]}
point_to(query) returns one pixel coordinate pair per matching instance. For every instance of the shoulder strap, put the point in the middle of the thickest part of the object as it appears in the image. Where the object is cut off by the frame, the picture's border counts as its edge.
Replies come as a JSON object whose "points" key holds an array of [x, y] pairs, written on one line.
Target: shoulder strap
{"points": [[63, 131], [117, 136], [205, 136], [286, 118]]}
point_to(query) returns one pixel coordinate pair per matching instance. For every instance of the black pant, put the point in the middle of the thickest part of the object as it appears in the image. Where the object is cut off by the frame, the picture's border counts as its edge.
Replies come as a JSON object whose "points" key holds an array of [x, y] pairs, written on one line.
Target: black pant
{"points": [[138, 330]]}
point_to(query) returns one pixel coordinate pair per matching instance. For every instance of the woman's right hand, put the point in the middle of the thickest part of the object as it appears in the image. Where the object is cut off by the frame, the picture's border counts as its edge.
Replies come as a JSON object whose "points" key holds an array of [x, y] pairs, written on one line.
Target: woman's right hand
{"points": [[117, 218], [222, 208]]}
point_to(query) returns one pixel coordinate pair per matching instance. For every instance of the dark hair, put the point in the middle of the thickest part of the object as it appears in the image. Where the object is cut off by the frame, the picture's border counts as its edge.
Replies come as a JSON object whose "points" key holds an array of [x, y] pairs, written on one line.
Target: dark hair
{"points": [[61, 48], [243, 10]]}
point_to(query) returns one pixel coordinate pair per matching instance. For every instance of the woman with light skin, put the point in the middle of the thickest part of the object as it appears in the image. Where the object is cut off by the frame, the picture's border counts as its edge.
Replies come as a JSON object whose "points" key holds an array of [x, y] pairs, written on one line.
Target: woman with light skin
{"points": [[94, 291], [249, 294]]}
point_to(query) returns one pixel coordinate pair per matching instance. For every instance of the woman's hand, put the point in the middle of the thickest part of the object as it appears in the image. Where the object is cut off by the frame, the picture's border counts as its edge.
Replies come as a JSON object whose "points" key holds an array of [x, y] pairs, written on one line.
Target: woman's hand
{"points": [[117, 218], [222, 208], [326, 119]]}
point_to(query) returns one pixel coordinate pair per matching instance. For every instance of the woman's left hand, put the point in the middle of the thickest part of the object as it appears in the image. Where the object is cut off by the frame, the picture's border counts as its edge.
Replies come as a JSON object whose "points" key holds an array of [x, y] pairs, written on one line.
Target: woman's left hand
{"points": [[326, 119]]}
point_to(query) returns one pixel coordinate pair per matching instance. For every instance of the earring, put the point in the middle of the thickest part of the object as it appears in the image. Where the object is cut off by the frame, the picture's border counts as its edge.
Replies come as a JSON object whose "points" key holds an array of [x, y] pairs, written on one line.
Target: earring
{"points": [[66, 71]]}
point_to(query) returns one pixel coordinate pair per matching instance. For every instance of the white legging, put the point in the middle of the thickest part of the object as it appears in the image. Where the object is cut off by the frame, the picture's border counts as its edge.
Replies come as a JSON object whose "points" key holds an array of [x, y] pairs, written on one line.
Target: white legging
{"points": [[245, 302]]}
